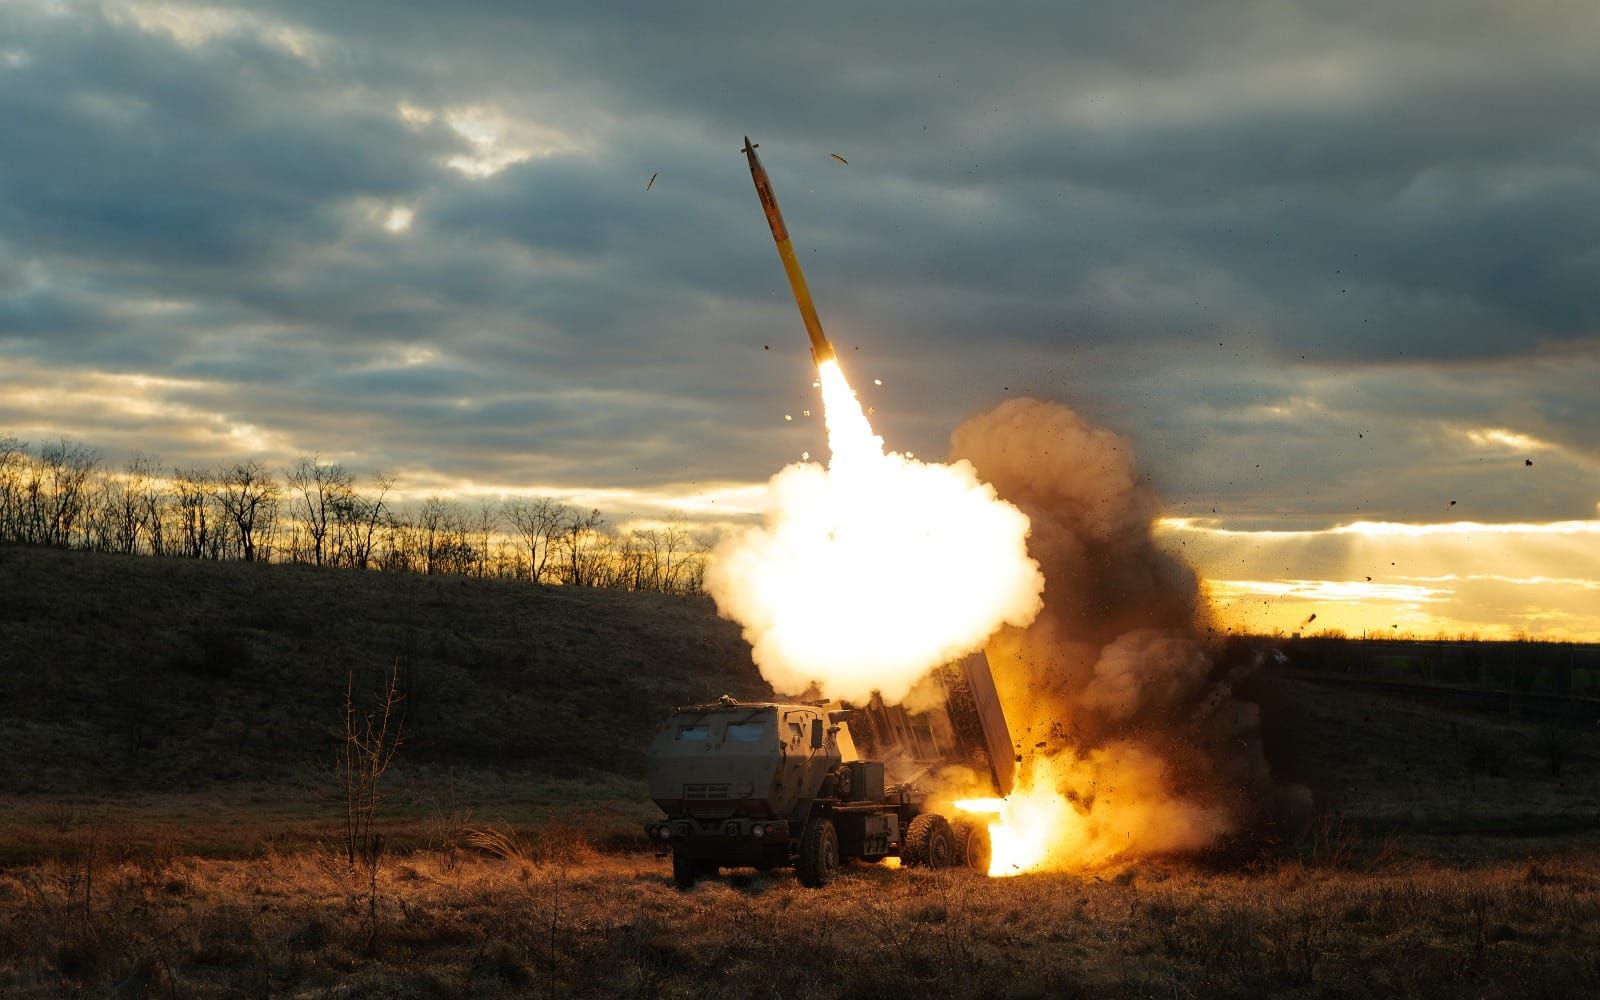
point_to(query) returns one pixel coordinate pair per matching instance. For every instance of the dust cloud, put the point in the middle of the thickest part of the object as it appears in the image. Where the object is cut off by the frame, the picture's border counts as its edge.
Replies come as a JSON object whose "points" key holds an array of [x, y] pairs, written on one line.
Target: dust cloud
{"points": [[1131, 738]]}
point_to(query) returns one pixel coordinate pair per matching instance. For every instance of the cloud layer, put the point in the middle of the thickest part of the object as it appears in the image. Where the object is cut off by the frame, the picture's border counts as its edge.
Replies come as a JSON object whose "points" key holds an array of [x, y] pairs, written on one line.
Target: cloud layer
{"points": [[1316, 263]]}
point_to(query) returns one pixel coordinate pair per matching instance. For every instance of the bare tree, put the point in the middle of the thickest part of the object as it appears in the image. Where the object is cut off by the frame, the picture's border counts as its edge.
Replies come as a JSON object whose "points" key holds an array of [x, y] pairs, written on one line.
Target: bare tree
{"points": [[57, 491], [365, 516], [366, 748], [13, 469], [535, 524], [400, 543], [193, 501], [153, 495], [122, 513], [249, 497], [675, 550], [484, 521], [323, 493], [581, 539], [432, 530]]}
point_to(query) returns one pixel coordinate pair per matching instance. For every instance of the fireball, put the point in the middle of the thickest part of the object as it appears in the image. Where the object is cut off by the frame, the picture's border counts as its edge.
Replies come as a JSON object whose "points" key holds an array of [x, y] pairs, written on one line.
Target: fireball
{"points": [[872, 570]]}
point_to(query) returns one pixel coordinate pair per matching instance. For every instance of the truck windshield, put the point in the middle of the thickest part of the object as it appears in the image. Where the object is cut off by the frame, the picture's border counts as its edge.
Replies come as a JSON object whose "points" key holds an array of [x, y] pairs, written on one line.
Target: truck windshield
{"points": [[745, 732], [694, 734]]}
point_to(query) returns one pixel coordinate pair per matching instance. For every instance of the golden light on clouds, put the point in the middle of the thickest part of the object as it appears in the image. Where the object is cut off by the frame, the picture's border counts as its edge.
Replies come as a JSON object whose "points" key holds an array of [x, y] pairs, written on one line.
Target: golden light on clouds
{"points": [[399, 219], [1500, 437], [1496, 580], [43, 404], [193, 26], [497, 139]]}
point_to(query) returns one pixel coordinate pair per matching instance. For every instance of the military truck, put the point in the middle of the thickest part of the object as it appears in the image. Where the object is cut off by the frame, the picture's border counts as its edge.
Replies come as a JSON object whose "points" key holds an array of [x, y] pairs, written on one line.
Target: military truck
{"points": [[812, 784]]}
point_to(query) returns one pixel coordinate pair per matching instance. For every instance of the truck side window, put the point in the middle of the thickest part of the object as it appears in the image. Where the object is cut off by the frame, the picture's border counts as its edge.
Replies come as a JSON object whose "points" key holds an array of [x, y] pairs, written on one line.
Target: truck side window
{"points": [[795, 732], [745, 732], [694, 734]]}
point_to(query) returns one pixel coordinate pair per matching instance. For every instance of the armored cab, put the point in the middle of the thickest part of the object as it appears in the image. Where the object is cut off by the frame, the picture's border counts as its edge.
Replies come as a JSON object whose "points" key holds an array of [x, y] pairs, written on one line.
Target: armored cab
{"points": [[810, 784]]}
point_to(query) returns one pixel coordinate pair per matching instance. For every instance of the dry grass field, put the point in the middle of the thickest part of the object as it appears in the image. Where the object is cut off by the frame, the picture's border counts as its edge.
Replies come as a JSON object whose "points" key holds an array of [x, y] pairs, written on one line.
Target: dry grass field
{"points": [[562, 921], [168, 827]]}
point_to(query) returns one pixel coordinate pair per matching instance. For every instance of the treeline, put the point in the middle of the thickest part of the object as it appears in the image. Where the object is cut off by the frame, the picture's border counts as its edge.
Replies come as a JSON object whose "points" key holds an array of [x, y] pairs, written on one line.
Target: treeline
{"points": [[321, 513], [1520, 665]]}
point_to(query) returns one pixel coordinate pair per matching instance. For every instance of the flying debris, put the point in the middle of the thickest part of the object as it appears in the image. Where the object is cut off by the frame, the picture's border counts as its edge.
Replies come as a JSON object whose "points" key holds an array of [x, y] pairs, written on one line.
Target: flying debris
{"points": [[652, 180], [821, 349], [1527, 461], [841, 159]]}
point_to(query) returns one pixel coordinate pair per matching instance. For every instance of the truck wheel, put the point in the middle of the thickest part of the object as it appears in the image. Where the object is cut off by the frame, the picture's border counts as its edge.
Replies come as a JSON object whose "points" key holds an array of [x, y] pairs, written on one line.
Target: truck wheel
{"points": [[685, 870], [819, 853], [972, 844], [928, 842]]}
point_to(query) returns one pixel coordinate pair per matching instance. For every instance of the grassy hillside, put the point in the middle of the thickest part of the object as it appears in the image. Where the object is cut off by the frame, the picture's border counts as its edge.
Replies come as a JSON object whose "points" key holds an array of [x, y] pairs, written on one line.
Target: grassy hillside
{"points": [[1446, 780], [165, 830], [196, 700], [123, 674]]}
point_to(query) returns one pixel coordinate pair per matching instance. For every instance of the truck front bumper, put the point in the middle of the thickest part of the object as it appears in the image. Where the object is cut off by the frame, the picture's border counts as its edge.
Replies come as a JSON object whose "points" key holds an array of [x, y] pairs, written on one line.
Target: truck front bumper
{"points": [[732, 841]]}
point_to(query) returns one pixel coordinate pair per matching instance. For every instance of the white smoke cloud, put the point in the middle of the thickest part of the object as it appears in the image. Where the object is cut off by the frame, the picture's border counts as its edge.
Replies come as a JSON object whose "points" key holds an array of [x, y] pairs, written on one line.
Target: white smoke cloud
{"points": [[868, 573]]}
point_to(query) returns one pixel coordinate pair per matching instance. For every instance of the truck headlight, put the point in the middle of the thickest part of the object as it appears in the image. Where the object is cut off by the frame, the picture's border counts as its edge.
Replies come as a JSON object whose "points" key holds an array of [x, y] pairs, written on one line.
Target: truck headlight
{"points": [[664, 832], [759, 830]]}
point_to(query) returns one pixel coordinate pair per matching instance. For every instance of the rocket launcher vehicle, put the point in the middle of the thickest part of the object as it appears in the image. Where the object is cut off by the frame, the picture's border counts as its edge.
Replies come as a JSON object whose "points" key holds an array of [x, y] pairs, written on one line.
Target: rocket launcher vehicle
{"points": [[821, 349], [809, 784]]}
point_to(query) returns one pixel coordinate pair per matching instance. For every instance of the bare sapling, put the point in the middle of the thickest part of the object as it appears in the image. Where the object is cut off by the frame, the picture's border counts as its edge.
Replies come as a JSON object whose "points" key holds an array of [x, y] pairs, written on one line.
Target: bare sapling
{"points": [[366, 748]]}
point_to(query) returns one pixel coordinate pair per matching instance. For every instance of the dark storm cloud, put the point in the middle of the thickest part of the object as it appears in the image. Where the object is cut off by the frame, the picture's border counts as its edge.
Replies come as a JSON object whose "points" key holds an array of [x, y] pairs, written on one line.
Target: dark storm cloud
{"points": [[1080, 204], [147, 155]]}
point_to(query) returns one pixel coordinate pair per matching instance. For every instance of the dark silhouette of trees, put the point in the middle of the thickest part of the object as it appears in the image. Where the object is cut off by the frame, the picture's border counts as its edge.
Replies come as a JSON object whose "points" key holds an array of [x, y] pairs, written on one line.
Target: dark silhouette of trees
{"points": [[535, 523], [319, 493], [249, 497], [582, 541], [322, 513], [196, 521], [52, 493]]}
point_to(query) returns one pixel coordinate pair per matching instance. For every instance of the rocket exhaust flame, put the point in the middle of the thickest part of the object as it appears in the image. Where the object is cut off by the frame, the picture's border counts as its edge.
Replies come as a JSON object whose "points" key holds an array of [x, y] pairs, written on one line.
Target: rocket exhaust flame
{"points": [[868, 573], [872, 571]]}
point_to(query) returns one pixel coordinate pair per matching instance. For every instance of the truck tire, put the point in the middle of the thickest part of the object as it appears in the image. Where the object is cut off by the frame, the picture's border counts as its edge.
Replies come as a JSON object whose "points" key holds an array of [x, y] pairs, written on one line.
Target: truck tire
{"points": [[819, 853], [972, 844], [928, 842], [685, 870]]}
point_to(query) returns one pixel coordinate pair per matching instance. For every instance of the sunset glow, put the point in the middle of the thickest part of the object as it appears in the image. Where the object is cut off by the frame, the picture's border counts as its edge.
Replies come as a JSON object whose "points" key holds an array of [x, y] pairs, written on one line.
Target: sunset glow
{"points": [[1493, 580]]}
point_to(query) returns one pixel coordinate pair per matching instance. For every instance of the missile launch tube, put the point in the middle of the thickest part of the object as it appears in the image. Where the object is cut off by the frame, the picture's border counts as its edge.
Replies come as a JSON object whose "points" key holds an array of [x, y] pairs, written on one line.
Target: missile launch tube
{"points": [[821, 349]]}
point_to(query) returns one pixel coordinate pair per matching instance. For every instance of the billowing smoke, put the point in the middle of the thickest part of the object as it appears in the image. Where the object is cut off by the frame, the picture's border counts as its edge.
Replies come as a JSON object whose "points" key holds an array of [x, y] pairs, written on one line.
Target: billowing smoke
{"points": [[1133, 741]]}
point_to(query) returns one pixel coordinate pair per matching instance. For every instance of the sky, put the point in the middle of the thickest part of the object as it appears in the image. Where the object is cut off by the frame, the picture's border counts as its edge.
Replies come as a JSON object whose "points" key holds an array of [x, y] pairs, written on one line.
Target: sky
{"points": [[1330, 267]]}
